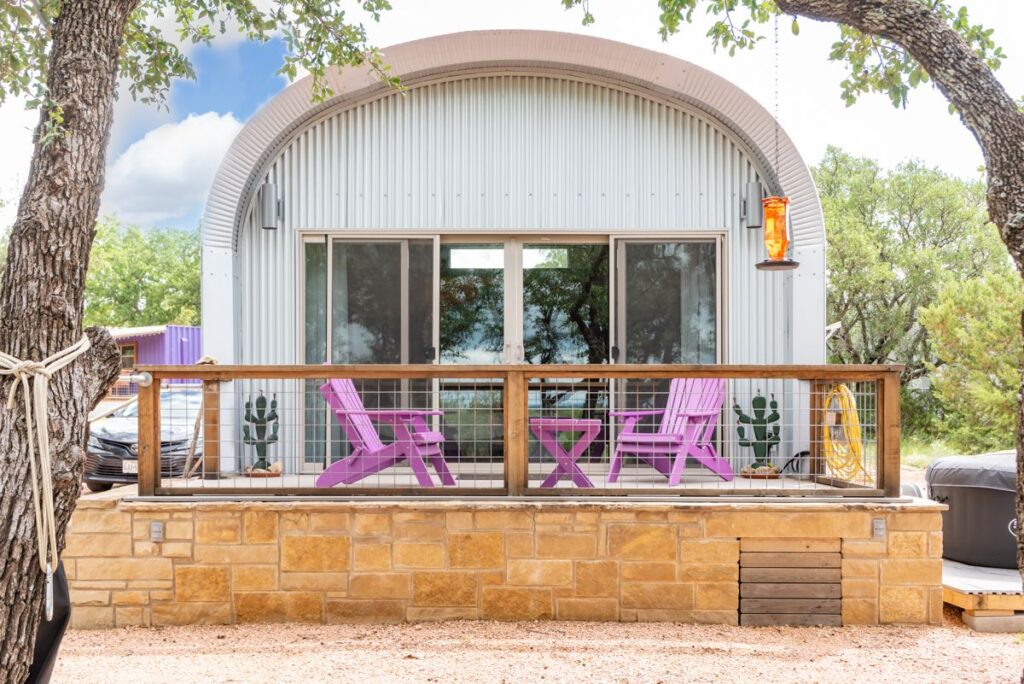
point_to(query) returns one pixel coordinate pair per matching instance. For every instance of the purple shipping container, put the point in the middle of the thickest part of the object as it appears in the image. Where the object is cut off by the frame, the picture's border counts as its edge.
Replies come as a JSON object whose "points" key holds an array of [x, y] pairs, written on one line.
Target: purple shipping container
{"points": [[156, 345]]}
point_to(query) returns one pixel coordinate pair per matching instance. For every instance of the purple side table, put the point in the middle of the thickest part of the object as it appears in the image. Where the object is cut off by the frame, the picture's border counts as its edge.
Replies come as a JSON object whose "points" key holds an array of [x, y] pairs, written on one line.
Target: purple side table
{"points": [[546, 431]]}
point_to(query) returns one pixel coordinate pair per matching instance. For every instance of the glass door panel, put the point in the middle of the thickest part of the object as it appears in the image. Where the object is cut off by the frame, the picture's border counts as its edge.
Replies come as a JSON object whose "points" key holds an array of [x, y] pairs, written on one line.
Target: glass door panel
{"points": [[472, 326], [315, 329], [366, 302], [668, 301], [565, 303], [667, 312]]}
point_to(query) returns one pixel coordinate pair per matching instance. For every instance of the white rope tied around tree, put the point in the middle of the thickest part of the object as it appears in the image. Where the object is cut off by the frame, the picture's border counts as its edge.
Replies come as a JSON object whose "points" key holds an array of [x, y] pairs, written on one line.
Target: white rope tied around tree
{"points": [[33, 378]]}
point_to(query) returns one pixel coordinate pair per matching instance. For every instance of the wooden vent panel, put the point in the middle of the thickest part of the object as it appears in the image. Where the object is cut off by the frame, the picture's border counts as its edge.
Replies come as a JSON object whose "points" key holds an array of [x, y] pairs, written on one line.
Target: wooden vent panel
{"points": [[791, 582]]}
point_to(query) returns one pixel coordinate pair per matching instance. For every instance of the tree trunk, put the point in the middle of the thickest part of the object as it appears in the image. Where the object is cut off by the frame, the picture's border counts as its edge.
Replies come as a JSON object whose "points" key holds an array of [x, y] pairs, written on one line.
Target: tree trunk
{"points": [[984, 107], [41, 303]]}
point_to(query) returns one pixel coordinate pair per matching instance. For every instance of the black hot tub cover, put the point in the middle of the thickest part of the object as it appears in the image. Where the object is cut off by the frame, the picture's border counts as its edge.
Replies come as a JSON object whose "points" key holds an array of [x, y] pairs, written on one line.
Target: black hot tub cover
{"points": [[990, 471]]}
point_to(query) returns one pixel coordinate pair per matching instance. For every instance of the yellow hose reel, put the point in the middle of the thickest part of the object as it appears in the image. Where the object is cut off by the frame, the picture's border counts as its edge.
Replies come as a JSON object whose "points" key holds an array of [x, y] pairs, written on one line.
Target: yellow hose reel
{"points": [[844, 449]]}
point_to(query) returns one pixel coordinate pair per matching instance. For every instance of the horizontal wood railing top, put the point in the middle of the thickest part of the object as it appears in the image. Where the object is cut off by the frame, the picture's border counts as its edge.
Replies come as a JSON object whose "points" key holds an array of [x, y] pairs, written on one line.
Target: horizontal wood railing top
{"points": [[652, 371]]}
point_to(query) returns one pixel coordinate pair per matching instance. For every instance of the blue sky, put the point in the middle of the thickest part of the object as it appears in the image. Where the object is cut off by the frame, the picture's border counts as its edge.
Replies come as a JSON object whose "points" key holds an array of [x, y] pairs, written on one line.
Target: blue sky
{"points": [[161, 162]]}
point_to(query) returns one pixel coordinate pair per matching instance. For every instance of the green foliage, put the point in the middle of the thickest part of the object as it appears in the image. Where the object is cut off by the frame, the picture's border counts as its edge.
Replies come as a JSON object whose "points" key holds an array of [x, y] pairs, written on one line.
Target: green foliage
{"points": [[975, 328], [317, 34], [138, 278], [875, 65], [894, 239], [909, 250]]}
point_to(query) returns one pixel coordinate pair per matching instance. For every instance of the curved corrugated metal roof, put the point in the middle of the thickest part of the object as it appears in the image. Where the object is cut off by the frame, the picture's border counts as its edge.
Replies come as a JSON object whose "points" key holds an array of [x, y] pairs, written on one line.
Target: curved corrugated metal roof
{"points": [[440, 58]]}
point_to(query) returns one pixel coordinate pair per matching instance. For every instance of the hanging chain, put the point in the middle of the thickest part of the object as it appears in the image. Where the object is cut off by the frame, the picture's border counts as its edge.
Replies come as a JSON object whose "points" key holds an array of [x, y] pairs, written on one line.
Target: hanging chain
{"points": [[776, 93]]}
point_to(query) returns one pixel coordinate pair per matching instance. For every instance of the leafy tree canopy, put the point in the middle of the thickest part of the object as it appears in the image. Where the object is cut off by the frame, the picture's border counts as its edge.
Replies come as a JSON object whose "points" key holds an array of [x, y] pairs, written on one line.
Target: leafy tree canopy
{"points": [[317, 34], [895, 239], [875, 65], [138, 278], [974, 327]]}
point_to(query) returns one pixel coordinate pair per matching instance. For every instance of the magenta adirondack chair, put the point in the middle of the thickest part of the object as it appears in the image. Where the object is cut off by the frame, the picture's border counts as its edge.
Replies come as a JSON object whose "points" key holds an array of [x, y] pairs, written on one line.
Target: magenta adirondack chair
{"points": [[413, 442], [686, 429]]}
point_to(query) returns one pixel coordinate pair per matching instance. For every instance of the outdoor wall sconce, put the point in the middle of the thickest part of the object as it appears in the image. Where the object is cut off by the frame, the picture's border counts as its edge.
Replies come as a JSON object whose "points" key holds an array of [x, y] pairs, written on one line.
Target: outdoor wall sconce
{"points": [[271, 206], [776, 241]]}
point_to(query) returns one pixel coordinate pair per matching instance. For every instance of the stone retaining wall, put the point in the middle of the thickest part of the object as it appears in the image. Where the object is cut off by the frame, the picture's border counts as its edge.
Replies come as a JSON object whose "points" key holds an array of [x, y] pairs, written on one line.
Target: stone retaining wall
{"points": [[313, 561]]}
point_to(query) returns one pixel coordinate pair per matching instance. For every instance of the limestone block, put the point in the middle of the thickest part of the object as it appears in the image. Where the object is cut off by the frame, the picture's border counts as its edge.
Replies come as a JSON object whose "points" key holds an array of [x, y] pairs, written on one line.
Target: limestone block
{"points": [[112, 569], [101, 520], [860, 611], [130, 598], [315, 553], [673, 596], [845, 524], [642, 542], [476, 549], [360, 611], [202, 583], [281, 606], [254, 577], [597, 578], [459, 520], [709, 551], [903, 604], [190, 613], [371, 556], [915, 521], [444, 589], [908, 544], [225, 554], [336, 582], [860, 588], [218, 530], [592, 609], [92, 617], [131, 616], [503, 520], [539, 573], [371, 524], [566, 545], [418, 532], [419, 555], [260, 527], [702, 572], [89, 597], [176, 529], [516, 603], [520, 544], [717, 596], [436, 614], [98, 545], [329, 521], [640, 571], [379, 586], [911, 571]]}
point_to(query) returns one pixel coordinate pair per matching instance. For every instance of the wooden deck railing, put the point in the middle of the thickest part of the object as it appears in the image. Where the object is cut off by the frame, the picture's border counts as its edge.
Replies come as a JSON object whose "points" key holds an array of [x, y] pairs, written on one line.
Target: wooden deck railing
{"points": [[806, 391]]}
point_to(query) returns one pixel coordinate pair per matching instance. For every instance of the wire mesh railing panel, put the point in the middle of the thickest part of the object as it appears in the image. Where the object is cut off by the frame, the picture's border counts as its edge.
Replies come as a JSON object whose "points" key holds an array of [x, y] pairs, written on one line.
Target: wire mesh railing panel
{"points": [[709, 435], [337, 433], [436, 430]]}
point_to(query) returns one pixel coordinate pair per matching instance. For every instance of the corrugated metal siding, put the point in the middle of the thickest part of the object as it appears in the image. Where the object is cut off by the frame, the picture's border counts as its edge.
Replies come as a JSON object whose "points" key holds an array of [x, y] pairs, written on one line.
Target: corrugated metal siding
{"points": [[183, 344], [507, 153]]}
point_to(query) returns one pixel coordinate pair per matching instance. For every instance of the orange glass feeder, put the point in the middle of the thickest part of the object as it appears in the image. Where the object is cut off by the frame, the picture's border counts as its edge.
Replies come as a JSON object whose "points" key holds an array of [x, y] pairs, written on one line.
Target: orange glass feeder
{"points": [[776, 239]]}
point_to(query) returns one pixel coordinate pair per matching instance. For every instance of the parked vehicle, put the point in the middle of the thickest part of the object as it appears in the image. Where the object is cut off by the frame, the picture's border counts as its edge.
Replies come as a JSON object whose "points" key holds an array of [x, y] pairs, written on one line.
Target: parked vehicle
{"points": [[112, 451]]}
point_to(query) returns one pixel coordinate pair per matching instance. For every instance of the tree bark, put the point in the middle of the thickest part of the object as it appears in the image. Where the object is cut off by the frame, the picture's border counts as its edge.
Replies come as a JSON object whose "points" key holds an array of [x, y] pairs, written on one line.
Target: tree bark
{"points": [[985, 108], [41, 303]]}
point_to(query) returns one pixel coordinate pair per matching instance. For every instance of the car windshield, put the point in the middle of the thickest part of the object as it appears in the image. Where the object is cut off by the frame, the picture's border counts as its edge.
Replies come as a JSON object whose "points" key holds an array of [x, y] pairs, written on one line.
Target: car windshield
{"points": [[176, 404]]}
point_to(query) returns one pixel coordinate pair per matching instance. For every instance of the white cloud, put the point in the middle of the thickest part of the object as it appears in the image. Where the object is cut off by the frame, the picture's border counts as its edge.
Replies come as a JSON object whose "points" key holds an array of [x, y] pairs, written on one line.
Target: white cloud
{"points": [[167, 174]]}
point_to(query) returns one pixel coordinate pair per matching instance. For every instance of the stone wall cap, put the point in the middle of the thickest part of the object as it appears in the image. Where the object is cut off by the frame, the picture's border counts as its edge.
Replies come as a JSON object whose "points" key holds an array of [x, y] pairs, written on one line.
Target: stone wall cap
{"points": [[527, 504]]}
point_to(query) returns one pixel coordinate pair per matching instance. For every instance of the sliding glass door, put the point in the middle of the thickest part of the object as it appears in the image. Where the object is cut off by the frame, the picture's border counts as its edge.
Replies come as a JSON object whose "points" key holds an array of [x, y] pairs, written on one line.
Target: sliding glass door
{"points": [[524, 301], [502, 300], [667, 301], [366, 302]]}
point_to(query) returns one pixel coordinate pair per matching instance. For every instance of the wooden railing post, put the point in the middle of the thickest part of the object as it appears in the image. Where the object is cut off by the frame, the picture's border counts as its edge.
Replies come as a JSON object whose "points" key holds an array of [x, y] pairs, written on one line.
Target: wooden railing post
{"points": [[888, 390], [211, 429], [149, 438], [515, 433]]}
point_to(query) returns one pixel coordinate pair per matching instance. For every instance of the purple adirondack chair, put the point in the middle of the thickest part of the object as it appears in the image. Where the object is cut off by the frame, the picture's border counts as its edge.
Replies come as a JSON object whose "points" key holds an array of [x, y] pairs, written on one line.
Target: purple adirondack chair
{"points": [[413, 442], [686, 429]]}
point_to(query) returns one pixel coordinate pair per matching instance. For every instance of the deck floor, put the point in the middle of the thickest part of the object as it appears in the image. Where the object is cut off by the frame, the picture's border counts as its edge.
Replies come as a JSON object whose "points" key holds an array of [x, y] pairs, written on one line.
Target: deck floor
{"points": [[490, 475], [974, 579]]}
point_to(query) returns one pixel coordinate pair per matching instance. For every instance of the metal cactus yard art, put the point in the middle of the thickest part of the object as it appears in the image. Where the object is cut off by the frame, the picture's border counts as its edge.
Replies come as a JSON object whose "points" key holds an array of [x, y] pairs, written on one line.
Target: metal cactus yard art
{"points": [[766, 435], [260, 419]]}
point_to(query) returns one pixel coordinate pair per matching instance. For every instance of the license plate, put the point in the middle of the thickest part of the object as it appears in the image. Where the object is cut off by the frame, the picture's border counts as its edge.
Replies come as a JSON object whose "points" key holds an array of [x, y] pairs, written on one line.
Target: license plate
{"points": [[130, 467]]}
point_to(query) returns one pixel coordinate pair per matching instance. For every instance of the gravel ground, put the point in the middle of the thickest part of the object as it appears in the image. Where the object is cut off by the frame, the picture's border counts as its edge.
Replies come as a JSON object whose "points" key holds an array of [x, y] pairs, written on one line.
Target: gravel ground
{"points": [[539, 651]]}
